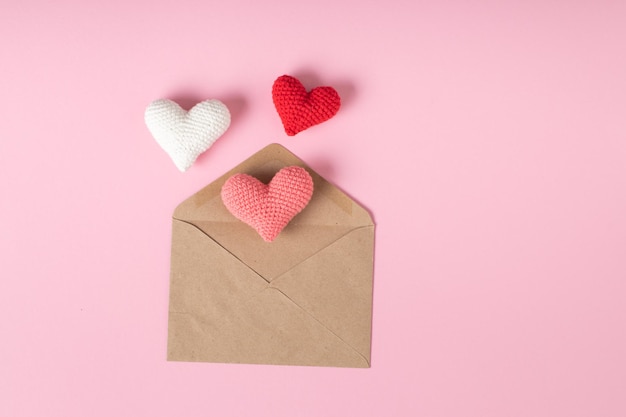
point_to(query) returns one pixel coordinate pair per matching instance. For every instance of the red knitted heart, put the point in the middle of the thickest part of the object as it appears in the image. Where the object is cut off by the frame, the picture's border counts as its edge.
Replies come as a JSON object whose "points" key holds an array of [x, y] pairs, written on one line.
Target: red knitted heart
{"points": [[268, 208], [300, 110]]}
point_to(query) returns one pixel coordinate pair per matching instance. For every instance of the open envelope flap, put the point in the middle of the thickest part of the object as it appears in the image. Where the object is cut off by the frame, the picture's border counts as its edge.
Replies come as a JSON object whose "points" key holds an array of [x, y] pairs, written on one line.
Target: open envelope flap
{"points": [[329, 215], [221, 311]]}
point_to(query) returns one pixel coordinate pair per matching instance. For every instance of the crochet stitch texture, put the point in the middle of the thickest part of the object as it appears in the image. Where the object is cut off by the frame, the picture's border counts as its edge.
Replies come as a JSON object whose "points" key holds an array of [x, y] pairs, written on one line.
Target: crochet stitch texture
{"points": [[299, 110], [268, 208], [184, 135]]}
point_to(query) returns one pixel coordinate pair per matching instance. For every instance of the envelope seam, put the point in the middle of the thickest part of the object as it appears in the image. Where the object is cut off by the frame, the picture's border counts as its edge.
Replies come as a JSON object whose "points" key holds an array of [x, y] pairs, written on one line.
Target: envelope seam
{"points": [[223, 247], [319, 322], [287, 271], [278, 278]]}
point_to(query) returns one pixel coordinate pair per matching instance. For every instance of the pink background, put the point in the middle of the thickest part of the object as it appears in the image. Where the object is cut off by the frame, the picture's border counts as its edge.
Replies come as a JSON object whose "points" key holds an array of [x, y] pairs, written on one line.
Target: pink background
{"points": [[488, 140]]}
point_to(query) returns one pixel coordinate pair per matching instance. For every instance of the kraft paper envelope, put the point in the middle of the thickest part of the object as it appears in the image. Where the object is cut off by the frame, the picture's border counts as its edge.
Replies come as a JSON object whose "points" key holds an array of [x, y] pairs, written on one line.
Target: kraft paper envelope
{"points": [[303, 299]]}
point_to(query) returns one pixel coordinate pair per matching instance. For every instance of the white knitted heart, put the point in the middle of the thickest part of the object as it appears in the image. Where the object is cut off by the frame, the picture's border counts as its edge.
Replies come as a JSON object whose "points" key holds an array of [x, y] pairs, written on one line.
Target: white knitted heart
{"points": [[184, 135]]}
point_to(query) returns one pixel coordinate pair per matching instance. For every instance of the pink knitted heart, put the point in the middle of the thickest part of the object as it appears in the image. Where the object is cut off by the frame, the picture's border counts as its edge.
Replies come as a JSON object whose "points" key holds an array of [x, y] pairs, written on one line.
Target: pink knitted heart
{"points": [[268, 208]]}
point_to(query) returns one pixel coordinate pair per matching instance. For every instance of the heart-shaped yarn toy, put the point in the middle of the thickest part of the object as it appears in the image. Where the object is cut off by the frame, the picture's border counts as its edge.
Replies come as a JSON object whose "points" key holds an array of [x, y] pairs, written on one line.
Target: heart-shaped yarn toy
{"points": [[184, 135], [299, 110], [268, 208]]}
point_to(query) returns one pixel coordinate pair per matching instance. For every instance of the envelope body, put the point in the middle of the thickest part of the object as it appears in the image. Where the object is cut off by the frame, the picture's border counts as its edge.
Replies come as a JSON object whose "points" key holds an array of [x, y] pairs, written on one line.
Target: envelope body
{"points": [[303, 299]]}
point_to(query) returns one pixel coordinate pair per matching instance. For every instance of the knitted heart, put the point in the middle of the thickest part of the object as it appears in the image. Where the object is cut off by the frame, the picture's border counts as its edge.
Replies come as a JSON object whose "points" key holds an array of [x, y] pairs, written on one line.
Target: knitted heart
{"points": [[300, 110], [184, 135], [268, 208]]}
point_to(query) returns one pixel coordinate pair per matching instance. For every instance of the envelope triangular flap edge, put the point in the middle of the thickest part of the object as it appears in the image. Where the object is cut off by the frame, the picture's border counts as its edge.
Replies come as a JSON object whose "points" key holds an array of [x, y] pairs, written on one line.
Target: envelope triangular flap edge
{"points": [[329, 215], [263, 165], [220, 311]]}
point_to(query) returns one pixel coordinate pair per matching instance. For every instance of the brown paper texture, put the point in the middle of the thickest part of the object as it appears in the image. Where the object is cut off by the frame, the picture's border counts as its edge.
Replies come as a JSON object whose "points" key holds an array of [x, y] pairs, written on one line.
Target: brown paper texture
{"points": [[303, 299]]}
